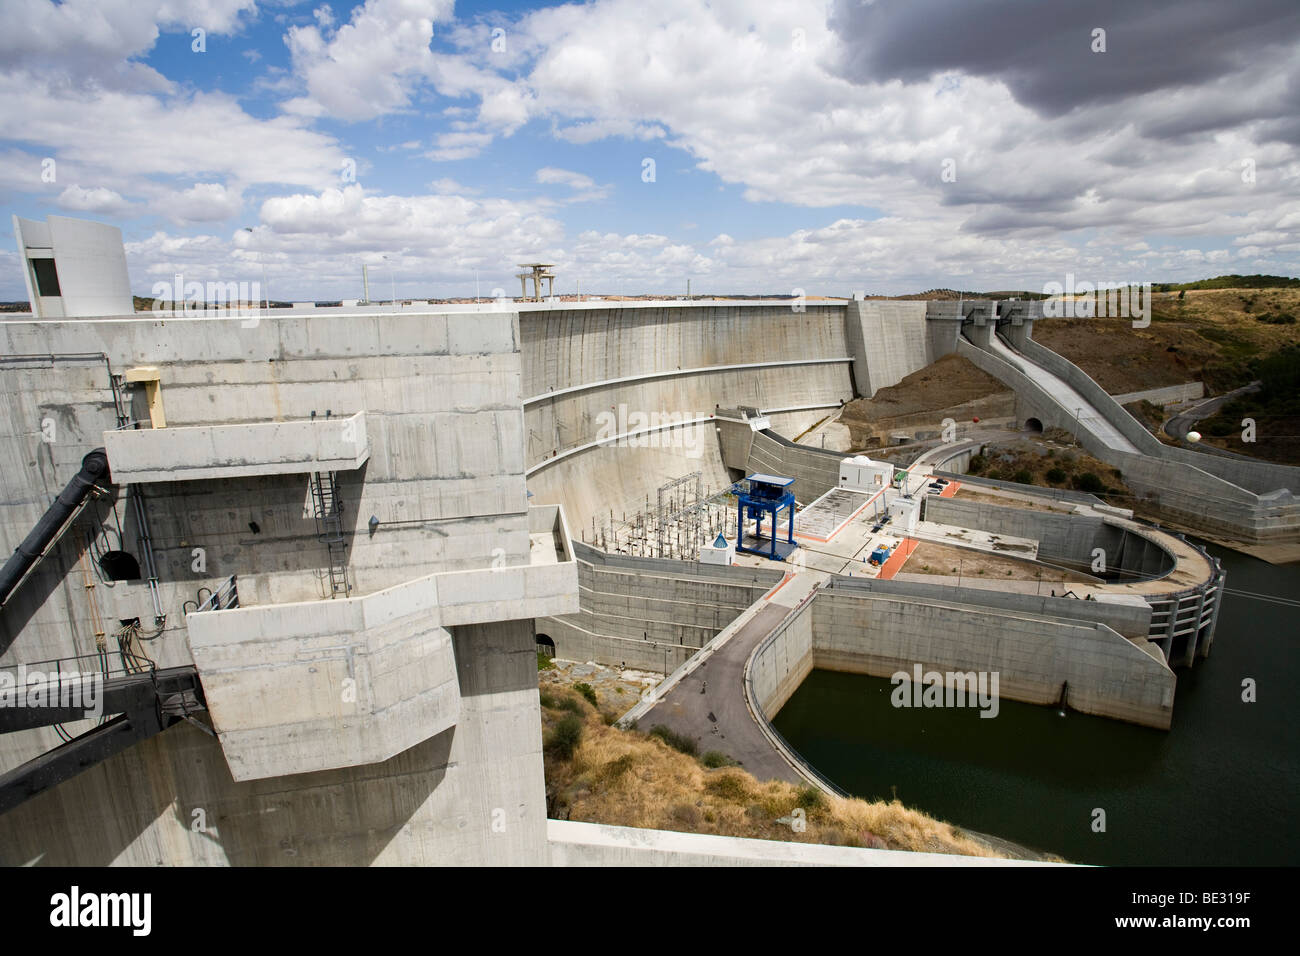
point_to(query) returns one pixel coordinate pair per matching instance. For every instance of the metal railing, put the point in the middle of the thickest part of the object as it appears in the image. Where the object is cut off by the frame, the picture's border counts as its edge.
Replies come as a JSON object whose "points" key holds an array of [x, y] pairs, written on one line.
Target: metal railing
{"points": [[225, 597]]}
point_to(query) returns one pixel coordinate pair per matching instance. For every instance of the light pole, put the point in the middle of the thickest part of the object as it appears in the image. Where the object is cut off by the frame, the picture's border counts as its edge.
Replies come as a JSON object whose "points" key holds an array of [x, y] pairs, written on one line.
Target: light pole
{"points": [[391, 279], [262, 259]]}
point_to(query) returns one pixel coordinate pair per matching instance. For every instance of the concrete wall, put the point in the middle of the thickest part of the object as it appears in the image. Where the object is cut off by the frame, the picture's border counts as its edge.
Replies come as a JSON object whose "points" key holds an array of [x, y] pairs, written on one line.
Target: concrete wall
{"points": [[815, 471], [651, 613], [445, 478], [781, 662], [596, 373], [431, 805], [1130, 620], [888, 340], [1168, 395], [593, 844], [1066, 539], [1035, 656]]}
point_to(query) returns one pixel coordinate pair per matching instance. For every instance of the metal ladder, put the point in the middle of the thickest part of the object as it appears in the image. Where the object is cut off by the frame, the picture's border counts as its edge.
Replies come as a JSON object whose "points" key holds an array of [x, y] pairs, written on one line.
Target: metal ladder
{"points": [[329, 529]]}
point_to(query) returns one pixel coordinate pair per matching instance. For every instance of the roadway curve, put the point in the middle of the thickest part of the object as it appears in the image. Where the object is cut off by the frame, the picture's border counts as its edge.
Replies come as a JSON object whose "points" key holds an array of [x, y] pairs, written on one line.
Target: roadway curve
{"points": [[713, 696]]}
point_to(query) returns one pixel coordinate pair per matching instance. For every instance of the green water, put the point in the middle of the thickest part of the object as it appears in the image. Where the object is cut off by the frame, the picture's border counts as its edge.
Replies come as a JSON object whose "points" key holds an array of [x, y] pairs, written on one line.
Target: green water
{"points": [[1219, 788]]}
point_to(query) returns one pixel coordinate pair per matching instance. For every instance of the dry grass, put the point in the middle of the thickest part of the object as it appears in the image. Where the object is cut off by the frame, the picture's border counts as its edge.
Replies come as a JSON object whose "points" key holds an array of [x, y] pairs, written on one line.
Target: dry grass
{"points": [[1210, 336], [628, 778]]}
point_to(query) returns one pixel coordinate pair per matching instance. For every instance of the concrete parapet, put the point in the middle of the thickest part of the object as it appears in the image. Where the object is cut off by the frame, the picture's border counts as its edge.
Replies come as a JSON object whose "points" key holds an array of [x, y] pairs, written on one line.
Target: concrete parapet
{"points": [[237, 451], [597, 844]]}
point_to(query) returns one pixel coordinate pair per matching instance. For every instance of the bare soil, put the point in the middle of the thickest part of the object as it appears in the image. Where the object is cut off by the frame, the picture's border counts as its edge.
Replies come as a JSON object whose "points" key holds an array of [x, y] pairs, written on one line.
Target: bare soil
{"points": [[941, 559], [950, 388]]}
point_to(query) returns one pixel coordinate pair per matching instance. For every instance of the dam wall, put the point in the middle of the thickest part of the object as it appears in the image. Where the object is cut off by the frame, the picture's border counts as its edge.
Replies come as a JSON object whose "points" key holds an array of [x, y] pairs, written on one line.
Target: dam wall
{"points": [[618, 400], [889, 340], [650, 613]]}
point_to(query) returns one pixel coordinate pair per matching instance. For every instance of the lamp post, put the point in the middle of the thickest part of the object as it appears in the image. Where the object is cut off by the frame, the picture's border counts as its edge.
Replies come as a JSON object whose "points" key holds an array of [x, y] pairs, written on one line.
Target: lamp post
{"points": [[266, 293], [392, 280]]}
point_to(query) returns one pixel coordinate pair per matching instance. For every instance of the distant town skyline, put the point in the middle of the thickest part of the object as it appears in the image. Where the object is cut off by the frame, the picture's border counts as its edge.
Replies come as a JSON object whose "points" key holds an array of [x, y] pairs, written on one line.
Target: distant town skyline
{"points": [[888, 147]]}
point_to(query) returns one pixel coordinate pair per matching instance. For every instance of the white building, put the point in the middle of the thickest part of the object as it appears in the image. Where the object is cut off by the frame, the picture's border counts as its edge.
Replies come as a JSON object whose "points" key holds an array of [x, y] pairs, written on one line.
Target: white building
{"points": [[720, 552], [860, 473], [73, 267], [906, 512]]}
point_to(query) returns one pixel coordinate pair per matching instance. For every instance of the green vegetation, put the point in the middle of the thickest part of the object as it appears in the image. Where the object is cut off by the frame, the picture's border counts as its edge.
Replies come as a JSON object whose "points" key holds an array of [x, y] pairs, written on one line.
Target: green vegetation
{"points": [[675, 740], [1231, 282], [544, 663], [811, 799], [1055, 476], [565, 738], [1023, 476], [713, 759], [587, 691], [1090, 483]]}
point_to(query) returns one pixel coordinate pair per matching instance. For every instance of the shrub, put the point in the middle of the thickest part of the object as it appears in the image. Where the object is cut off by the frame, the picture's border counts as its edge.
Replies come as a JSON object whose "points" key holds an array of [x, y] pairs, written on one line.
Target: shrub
{"points": [[729, 786], [615, 769], [675, 740], [713, 759], [1276, 318], [1023, 476], [1089, 482], [563, 741], [810, 798], [547, 699], [977, 464], [1055, 476], [571, 704], [587, 691], [544, 663]]}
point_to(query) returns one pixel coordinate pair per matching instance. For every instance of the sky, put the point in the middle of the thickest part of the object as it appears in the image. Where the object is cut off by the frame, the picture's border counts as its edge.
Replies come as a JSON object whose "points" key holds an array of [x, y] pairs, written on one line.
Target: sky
{"points": [[780, 147]]}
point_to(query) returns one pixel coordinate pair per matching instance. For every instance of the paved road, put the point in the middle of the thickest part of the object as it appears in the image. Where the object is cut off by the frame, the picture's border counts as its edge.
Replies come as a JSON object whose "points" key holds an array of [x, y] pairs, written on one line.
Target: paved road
{"points": [[713, 698], [1180, 424]]}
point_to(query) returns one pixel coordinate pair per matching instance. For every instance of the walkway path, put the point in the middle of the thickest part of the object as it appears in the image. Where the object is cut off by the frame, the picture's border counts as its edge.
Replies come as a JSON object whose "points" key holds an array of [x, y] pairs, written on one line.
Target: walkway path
{"points": [[708, 704]]}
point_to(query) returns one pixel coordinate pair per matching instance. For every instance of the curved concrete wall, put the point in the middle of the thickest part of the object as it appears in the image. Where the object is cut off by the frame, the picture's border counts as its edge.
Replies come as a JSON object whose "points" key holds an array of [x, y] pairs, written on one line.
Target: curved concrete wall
{"points": [[1034, 656], [650, 613], [1067, 539], [605, 365]]}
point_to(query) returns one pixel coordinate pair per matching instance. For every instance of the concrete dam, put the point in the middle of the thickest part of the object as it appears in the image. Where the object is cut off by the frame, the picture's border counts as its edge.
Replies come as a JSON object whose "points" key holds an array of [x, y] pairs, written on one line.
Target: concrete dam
{"points": [[329, 543]]}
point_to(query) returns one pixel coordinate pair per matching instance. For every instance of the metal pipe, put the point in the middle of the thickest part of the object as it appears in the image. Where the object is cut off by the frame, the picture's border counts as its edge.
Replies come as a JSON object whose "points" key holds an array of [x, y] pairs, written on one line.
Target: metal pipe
{"points": [[94, 471]]}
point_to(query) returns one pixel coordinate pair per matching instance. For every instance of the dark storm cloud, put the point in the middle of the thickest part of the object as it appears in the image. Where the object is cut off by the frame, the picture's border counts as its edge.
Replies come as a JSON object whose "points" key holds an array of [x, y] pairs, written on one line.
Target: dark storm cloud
{"points": [[1042, 49]]}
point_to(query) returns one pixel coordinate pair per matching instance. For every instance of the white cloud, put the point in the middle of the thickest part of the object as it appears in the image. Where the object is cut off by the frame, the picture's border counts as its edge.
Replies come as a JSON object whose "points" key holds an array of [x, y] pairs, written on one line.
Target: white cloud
{"points": [[370, 65], [203, 202], [98, 200]]}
